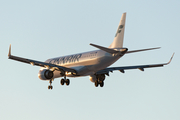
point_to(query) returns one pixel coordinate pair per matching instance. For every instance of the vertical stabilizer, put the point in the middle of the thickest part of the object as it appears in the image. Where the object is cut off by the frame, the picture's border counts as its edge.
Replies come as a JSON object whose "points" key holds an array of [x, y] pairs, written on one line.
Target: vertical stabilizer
{"points": [[118, 40]]}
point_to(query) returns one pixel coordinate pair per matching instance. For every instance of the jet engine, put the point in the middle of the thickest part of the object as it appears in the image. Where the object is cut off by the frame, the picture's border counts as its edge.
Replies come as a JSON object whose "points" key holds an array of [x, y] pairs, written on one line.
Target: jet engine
{"points": [[92, 78], [100, 77], [45, 74]]}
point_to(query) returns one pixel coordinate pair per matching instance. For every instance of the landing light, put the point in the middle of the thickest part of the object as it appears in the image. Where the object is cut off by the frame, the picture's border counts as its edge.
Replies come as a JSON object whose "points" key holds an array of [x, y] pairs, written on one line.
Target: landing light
{"points": [[142, 69], [122, 71], [32, 63]]}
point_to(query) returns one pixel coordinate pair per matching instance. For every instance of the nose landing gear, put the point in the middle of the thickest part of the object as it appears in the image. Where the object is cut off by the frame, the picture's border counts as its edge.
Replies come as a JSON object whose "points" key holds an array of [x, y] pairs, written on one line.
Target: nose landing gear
{"points": [[62, 81], [50, 86]]}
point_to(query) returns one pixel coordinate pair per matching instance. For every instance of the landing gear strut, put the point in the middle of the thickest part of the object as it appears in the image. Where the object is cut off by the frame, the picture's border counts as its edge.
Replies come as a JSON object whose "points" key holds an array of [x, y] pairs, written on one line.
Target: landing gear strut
{"points": [[100, 80], [50, 86]]}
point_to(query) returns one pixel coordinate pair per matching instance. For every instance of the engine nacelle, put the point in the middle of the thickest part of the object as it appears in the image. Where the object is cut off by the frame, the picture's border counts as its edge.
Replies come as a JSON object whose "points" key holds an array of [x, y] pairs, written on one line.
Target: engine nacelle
{"points": [[45, 74], [92, 78], [100, 77]]}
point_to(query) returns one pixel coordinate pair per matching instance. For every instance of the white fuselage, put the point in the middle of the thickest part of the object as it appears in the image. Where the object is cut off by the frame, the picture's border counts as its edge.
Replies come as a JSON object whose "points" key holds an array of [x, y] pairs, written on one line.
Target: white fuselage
{"points": [[87, 63]]}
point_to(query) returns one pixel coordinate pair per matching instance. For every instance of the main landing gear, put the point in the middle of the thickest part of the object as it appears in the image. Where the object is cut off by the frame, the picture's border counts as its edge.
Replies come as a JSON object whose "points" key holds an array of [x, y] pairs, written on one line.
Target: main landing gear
{"points": [[67, 81], [99, 80], [62, 82], [97, 83]]}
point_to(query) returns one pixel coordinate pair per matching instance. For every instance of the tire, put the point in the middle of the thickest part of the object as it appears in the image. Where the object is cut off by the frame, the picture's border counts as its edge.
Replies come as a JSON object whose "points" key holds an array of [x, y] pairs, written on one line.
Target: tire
{"points": [[96, 83], [62, 81], [101, 84], [67, 82], [50, 87]]}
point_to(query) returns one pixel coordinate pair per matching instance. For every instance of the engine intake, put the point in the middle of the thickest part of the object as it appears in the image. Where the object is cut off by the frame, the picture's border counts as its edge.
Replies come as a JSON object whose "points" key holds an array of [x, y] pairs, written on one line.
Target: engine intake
{"points": [[45, 74], [48, 74]]}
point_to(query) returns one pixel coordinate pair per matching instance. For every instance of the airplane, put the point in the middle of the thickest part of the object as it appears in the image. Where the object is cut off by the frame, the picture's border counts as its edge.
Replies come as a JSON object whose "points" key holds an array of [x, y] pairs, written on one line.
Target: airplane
{"points": [[93, 63]]}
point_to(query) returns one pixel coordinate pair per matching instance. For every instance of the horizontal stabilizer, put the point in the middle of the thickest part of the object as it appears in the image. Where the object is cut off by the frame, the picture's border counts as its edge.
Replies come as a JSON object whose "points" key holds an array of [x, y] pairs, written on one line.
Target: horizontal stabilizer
{"points": [[111, 51], [142, 50]]}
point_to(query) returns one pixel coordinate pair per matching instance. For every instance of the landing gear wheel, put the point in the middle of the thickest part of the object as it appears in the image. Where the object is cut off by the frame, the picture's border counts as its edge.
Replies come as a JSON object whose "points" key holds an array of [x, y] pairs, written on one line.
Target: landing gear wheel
{"points": [[50, 87], [101, 84], [96, 83], [67, 82], [62, 81]]}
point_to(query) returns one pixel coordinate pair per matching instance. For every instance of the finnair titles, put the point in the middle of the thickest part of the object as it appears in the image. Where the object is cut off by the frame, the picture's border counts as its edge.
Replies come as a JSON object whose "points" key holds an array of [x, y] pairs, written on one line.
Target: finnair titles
{"points": [[67, 59], [94, 64]]}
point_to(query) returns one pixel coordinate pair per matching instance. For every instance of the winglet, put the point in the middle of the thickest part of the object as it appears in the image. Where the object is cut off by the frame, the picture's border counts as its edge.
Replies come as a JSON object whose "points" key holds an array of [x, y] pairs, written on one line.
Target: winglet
{"points": [[170, 59], [9, 54]]}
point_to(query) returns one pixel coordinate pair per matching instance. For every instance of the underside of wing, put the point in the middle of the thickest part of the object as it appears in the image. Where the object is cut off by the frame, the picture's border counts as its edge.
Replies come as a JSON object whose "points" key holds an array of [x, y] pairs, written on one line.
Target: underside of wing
{"points": [[41, 64], [122, 69]]}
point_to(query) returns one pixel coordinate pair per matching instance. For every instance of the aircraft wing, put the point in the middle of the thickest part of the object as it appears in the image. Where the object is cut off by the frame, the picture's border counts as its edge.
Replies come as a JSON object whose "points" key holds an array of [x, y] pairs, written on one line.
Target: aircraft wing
{"points": [[121, 69], [38, 63]]}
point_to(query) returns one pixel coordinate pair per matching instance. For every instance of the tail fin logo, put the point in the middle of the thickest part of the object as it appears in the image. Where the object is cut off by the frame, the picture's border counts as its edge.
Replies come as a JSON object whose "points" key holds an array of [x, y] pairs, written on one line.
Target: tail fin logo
{"points": [[119, 29]]}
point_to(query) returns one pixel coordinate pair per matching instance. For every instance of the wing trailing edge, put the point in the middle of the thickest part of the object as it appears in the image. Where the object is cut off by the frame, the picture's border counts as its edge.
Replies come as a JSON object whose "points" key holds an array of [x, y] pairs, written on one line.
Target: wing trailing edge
{"points": [[41, 64], [140, 67]]}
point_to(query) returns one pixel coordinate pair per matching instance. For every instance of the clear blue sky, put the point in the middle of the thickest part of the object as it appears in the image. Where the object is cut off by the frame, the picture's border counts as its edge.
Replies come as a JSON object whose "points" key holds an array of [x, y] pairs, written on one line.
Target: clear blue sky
{"points": [[40, 29]]}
